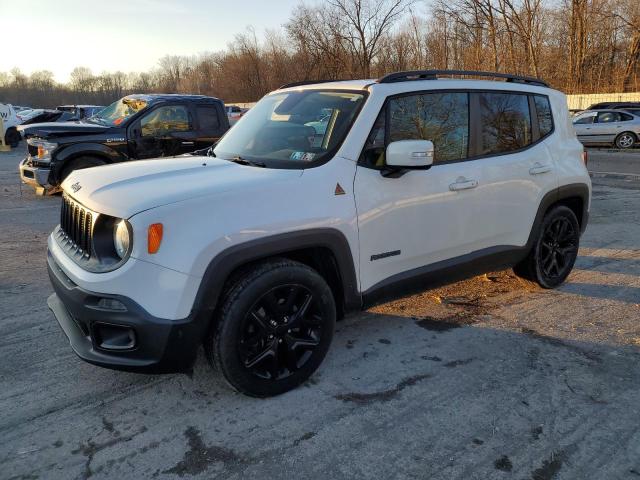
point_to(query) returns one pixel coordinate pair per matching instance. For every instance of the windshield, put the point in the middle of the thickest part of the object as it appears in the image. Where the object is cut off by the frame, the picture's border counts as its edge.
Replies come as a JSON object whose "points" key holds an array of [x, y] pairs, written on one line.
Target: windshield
{"points": [[119, 111], [292, 128]]}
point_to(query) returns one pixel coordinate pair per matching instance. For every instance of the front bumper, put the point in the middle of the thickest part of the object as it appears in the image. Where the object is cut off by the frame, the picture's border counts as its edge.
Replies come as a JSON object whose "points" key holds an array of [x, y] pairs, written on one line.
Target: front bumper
{"points": [[37, 177], [158, 345]]}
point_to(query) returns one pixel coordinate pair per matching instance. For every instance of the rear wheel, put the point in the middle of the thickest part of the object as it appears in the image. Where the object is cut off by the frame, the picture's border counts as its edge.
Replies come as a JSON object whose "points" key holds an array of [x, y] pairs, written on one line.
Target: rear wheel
{"points": [[12, 138], [554, 251], [80, 163], [625, 140], [273, 329]]}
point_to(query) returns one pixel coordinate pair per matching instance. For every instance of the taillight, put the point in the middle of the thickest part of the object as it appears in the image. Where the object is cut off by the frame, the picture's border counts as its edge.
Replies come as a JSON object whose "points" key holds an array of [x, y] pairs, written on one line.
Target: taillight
{"points": [[585, 157]]}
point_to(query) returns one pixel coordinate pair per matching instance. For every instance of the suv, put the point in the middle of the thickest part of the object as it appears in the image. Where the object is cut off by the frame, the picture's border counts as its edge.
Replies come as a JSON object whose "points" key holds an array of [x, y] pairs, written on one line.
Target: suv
{"points": [[258, 247], [135, 127]]}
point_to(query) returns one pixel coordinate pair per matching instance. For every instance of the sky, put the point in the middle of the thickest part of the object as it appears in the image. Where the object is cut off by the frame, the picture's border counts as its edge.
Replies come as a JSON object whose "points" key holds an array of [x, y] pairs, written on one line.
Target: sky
{"points": [[126, 35]]}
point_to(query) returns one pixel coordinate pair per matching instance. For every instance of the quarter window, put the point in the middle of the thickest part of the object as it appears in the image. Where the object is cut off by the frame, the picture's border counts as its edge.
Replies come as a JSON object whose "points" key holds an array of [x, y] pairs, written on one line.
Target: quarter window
{"points": [[442, 118], [207, 118], [505, 122], [165, 120], [543, 112]]}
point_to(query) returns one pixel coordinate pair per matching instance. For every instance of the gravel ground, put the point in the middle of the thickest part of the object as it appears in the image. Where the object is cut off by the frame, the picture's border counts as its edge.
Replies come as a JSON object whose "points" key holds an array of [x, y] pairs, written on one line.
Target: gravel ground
{"points": [[483, 379]]}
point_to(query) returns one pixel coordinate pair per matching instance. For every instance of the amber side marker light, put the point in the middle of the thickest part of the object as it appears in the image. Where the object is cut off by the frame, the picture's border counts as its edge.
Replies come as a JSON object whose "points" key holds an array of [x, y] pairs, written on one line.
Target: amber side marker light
{"points": [[41, 151], [154, 237], [585, 157]]}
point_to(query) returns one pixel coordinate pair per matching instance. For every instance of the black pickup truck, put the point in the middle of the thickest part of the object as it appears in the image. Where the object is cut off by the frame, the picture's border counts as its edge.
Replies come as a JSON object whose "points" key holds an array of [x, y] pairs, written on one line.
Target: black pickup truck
{"points": [[134, 127]]}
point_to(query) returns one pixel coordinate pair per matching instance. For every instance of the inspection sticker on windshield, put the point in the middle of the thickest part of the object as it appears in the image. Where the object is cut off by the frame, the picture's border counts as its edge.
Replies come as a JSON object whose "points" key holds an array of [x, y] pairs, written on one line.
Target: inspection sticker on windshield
{"points": [[304, 156]]}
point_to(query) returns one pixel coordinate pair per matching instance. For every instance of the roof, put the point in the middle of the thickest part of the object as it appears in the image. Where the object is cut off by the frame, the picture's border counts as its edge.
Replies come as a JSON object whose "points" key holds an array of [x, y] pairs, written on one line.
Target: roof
{"points": [[164, 97]]}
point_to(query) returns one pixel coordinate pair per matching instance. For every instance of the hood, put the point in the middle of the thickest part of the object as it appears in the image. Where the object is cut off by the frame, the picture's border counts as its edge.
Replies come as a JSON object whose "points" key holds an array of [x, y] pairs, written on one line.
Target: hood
{"points": [[62, 129], [124, 189]]}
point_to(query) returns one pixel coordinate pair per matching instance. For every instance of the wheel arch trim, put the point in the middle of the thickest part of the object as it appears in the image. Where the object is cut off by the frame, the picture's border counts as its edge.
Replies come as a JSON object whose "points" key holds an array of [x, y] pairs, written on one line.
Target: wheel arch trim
{"points": [[227, 261]]}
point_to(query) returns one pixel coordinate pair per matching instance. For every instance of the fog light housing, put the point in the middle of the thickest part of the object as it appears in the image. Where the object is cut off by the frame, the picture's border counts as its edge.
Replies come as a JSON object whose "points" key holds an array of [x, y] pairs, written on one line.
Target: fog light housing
{"points": [[114, 337], [111, 304]]}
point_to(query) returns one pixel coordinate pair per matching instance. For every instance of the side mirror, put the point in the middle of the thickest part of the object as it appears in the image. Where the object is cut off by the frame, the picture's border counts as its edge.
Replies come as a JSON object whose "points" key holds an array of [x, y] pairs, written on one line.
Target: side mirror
{"points": [[409, 154]]}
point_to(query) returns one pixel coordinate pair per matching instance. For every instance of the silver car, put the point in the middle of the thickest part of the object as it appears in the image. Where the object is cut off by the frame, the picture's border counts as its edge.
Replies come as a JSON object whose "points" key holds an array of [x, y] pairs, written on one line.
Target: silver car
{"points": [[611, 127]]}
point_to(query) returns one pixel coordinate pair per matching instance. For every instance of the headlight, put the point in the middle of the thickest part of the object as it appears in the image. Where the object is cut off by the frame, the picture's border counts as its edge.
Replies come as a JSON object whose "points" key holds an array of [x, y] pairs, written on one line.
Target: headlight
{"points": [[44, 149], [122, 238]]}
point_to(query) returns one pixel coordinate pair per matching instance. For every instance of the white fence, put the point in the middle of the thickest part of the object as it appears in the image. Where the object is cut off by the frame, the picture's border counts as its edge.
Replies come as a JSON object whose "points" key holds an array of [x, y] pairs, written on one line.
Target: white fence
{"points": [[580, 102]]}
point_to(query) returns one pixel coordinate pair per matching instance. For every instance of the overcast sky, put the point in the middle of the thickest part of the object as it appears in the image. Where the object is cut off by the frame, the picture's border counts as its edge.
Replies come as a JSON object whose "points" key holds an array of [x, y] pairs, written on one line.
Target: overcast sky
{"points": [[126, 35]]}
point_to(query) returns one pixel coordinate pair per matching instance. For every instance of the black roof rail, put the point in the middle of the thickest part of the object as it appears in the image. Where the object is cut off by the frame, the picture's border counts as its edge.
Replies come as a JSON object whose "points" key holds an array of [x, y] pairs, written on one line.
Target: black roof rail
{"points": [[305, 82], [434, 74]]}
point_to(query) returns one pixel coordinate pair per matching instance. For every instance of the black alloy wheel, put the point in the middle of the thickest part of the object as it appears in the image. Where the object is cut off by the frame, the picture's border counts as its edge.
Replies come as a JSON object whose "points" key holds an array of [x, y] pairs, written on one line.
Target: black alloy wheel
{"points": [[558, 248], [273, 327], [280, 332], [554, 251]]}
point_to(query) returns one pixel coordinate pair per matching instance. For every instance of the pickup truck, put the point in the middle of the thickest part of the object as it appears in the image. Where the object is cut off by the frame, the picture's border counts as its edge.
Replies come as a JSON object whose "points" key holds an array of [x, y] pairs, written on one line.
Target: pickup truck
{"points": [[134, 127]]}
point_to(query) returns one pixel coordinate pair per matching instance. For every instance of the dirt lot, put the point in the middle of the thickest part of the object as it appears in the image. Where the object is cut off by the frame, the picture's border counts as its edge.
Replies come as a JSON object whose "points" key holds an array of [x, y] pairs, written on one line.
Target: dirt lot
{"points": [[482, 379]]}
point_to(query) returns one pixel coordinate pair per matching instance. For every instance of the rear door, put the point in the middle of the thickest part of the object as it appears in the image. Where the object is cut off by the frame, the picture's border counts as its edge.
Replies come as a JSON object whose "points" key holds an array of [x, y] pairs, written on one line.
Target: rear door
{"points": [[516, 168], [210, 125], [606, 127]]}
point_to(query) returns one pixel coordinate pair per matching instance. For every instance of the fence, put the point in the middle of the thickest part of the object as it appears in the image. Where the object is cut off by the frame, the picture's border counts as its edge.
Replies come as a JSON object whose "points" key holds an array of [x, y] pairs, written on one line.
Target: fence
{"points": [[580, 102]]}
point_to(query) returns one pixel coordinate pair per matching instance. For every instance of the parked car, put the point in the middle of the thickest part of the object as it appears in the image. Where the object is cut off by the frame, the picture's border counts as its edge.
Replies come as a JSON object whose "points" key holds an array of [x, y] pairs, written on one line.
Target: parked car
{"points": [[81, 111], [135, 127], [234, 113], [257, 248], [614, 105], [43, 116], [10, 123], [618, 128]]}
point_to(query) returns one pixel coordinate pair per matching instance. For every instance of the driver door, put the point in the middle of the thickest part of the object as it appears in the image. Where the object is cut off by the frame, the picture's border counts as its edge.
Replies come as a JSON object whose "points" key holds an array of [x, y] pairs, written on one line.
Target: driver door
{"points": [[164, 131]]}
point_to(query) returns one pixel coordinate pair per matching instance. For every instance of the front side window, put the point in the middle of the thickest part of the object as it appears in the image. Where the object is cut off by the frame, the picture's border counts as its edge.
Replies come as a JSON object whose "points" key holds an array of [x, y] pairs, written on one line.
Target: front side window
{"points": [[506, 122], [442, 118], [543, 114], [291, 129], [585, 118], [163, 120]]}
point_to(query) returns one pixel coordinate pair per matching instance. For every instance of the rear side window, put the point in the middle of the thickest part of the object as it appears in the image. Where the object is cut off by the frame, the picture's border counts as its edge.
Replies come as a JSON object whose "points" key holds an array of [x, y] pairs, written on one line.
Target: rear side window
{"points": [[543, 112], [207, 118], [442, 118], [505, 122], [608, 117], [624, 117]]}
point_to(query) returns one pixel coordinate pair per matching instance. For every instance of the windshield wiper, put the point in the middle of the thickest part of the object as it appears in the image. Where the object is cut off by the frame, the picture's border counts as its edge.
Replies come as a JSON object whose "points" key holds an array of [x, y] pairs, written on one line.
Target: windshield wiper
{"points": [[243, 161]]}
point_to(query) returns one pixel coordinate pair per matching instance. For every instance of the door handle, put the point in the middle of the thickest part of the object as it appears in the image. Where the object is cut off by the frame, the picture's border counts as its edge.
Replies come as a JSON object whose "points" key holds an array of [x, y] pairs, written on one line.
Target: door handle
{"points": [[538, 168], [463, 184], [188, 143]]}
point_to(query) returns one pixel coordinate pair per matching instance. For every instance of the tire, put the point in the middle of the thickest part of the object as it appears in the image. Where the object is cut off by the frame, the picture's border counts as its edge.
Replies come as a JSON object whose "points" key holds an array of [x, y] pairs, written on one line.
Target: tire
{"points": [[78, 164], [625, 140], [260, 342], [12, 138], [554, 251]]}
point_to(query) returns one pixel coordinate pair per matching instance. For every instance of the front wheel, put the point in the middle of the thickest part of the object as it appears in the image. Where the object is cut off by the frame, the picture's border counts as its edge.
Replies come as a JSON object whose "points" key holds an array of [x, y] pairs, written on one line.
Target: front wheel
{"points": [[78, 164], [273, 329], [554, 251], [625, 140]]}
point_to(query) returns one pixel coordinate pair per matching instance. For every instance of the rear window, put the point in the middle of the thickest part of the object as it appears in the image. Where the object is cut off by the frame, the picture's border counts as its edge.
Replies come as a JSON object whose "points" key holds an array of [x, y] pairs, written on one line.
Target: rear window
{"points": [[506, 122]]}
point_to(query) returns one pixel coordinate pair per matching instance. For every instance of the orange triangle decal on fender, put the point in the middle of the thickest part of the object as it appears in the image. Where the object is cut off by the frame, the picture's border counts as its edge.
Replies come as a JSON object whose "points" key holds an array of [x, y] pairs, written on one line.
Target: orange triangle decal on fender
{"points": [[339, 190]]}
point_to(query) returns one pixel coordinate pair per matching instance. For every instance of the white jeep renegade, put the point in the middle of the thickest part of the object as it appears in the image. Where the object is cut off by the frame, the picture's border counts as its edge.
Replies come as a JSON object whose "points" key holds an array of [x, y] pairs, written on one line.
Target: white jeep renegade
{"points": [[324, 198]]}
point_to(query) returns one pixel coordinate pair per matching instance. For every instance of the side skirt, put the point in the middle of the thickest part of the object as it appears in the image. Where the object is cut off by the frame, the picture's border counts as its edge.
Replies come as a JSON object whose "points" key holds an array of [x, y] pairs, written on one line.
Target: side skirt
{"points": [[443, 273]]}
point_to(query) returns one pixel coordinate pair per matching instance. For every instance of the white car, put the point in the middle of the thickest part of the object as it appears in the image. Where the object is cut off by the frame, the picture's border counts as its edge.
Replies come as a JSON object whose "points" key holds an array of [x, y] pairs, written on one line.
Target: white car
{"points": [[257, 248], [234, 113], [10, 122]]}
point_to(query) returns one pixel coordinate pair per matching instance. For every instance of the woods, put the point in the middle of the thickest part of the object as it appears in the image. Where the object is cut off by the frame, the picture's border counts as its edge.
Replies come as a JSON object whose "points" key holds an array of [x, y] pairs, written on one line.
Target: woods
{"points": [[578, 46]]}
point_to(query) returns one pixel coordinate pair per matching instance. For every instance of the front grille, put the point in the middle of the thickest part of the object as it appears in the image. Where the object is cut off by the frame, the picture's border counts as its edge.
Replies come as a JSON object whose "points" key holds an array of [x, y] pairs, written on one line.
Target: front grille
{"points": [[76, 222]]}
